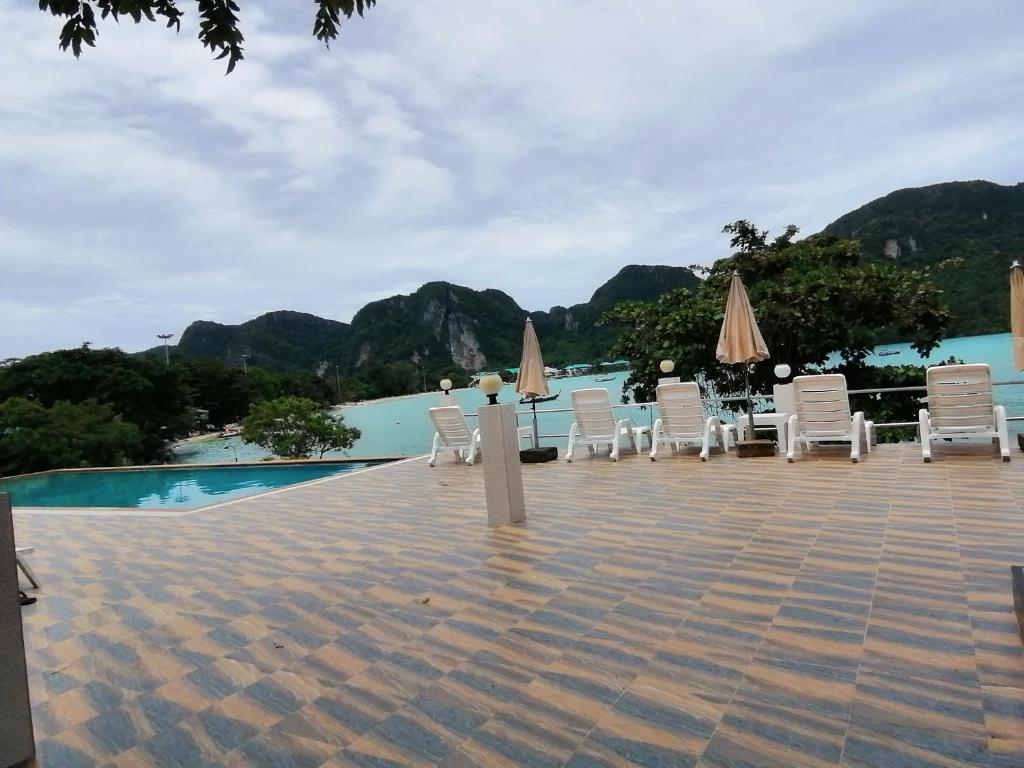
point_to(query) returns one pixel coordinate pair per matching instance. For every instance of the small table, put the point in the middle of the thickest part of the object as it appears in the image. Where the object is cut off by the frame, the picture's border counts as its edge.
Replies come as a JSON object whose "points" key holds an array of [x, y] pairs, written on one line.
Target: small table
{"points": [[776, 421]]}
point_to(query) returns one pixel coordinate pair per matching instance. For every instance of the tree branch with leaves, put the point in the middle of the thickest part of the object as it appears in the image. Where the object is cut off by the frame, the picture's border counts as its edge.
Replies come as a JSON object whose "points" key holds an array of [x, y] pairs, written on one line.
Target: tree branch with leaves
{"points": [[219, 28]]}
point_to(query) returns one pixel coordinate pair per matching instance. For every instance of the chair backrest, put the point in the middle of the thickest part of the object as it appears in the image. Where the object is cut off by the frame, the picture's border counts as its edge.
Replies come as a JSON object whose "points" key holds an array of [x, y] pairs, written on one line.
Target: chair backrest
{"points": [[593, 409], [960, 398], [450, 424], [822, 404], [681, 408], [782, 395]]}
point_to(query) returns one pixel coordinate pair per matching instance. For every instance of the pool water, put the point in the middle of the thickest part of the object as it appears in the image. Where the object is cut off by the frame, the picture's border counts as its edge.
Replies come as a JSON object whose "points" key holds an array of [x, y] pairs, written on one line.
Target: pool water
{"points": [[162, 488]]}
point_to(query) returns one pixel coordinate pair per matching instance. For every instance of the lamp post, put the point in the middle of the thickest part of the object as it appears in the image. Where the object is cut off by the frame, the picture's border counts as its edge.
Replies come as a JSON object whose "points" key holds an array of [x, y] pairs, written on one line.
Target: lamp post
{"points": [[167, 354], [503, 474], [782, 371], [245, 366], [337, 380], [491, 385], [446, 386]]}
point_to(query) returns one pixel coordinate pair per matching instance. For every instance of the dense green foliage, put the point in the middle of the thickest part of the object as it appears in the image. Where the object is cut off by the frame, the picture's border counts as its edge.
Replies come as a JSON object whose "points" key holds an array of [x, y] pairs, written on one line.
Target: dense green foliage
{"points": [[34, 438], [296, 428], [140, 391], [813, 298], [977, 223], [103, 407], [218, 21]]}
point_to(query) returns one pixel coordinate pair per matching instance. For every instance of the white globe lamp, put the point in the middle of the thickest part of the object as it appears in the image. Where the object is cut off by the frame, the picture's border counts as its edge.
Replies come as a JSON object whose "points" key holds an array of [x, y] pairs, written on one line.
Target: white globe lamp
{"points": [[491, 385]]}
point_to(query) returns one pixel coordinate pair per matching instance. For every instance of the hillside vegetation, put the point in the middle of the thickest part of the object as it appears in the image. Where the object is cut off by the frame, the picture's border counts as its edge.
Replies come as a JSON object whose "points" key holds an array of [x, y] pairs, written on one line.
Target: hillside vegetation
{"points": [[977, 222], [436, 328]]}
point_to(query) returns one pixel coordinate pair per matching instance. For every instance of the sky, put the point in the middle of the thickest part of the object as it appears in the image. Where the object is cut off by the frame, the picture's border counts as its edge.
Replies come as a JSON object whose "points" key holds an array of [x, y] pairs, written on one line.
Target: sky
{"points": [[535, 147]]}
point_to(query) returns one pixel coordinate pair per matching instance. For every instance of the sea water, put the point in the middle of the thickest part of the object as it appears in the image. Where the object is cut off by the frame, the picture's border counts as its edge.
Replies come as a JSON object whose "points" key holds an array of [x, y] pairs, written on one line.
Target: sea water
{"points": [[401, 427]]}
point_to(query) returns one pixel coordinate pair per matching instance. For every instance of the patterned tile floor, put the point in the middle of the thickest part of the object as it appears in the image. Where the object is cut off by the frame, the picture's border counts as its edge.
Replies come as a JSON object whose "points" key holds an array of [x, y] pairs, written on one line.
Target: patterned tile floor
{"points": [[734, 613]]}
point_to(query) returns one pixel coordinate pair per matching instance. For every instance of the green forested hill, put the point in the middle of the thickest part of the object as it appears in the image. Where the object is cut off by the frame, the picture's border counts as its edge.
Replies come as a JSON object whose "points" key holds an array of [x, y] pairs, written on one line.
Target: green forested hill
{"points": [[977, 221], [436, 327]]}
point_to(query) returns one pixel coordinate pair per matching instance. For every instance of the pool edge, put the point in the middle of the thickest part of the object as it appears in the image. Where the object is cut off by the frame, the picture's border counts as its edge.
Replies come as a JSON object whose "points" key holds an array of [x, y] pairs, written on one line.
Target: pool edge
{"points": [[142, 512]]}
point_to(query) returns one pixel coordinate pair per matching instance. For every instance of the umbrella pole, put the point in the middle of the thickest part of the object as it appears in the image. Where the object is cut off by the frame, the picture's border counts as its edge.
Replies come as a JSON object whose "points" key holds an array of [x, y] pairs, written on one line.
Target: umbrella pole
{"points": [[536, 432], [750, 403]]}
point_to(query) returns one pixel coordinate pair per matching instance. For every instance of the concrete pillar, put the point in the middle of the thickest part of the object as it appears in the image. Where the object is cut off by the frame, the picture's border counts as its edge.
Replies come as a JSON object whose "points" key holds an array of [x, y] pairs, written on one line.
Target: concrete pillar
{"points": [[16, 742], [503, 474]]}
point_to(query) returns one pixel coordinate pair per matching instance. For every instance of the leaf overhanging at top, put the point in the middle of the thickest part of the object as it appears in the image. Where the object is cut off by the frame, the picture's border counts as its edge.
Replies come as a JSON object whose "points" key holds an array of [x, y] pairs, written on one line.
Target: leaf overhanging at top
{"points": [[218, 21]]}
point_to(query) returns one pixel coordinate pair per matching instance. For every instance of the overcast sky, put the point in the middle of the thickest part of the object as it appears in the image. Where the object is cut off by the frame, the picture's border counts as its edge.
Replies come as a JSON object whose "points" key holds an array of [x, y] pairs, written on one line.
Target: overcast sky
{"points": [[535, 147]]}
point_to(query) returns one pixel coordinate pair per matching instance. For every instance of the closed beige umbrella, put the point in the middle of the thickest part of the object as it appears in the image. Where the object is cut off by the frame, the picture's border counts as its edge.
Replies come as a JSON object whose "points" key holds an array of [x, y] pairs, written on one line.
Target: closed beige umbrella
{"points": [[531, 382], [1017, 314], [740, 340]]}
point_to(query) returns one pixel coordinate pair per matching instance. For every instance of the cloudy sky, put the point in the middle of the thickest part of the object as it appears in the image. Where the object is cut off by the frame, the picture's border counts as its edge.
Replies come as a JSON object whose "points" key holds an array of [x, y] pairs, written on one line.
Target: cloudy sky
{"points": [[534, 147]]}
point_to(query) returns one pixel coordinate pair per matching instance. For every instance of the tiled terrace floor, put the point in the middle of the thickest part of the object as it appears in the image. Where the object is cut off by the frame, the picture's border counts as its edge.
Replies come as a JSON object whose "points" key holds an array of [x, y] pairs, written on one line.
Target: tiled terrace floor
{"points": [[734, 613]]}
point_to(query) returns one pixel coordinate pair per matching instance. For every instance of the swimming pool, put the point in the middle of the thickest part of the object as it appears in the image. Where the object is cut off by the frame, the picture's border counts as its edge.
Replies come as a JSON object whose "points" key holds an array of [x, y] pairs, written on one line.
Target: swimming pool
{"points": [[169, 488]]}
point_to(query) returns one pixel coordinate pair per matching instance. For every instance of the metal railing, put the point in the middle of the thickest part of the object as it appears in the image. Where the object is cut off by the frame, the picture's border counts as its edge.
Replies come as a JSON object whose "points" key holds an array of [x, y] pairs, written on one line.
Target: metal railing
{"points": [[762, 397]]}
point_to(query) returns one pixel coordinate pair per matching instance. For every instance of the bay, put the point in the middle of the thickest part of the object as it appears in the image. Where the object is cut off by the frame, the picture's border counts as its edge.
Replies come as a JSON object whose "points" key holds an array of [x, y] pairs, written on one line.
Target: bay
{"points": [[401, 427]]}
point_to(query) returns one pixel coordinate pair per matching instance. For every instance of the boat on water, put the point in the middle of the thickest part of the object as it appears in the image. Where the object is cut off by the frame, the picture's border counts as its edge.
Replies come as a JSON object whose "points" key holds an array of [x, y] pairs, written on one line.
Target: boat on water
{"points": [[605, 378], [888, 352]]}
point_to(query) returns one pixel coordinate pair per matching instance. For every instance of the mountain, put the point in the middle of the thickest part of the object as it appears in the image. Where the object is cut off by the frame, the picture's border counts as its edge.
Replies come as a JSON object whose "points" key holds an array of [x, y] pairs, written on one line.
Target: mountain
{"points": [[283, 339], [438, 325], [980, 222]]}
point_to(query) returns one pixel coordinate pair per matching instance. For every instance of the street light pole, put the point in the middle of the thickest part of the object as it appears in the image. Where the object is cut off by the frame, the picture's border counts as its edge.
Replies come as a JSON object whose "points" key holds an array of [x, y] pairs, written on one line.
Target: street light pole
{"points": [[167, 353], [245, 366], [337, 380]]}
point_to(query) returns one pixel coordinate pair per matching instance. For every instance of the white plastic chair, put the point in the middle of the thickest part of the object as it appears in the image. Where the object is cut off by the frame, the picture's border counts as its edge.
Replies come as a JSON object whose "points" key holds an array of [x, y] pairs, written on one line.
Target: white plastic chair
{"points": [[681, 420], [595, 425], [822, 415], [453, 432], [960, 404]]}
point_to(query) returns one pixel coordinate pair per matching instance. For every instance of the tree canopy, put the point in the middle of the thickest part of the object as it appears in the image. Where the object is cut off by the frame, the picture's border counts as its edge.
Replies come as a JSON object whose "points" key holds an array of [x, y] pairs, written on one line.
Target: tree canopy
{"points": [[296, 428], [139, 390], [34, 438], [219, 28], [817, 305]]}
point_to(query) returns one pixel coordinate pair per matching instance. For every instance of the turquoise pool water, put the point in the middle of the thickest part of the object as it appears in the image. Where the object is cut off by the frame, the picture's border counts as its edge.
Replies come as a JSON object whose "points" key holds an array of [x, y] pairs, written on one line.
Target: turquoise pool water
{"points": [[162, 488], [401, 426]]}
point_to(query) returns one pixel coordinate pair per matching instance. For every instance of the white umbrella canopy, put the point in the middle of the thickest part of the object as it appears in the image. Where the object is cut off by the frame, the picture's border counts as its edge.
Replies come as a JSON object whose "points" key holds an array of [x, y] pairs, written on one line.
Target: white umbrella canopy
{"points": [[740, 339], [1017, 314], [531, 381]]}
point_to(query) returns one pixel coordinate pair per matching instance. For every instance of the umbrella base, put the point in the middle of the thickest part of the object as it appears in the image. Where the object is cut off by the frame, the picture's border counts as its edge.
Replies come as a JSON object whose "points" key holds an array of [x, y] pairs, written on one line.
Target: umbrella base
{"points": [[538, 455], [748, 449]]}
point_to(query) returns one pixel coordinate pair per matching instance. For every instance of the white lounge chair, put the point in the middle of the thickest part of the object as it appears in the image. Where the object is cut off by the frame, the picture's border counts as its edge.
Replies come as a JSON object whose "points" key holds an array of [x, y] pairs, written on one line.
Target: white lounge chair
{"points": [[19, 558], [822, 415], [453, 432], [681, 420], [960, 404], [595, 425]]}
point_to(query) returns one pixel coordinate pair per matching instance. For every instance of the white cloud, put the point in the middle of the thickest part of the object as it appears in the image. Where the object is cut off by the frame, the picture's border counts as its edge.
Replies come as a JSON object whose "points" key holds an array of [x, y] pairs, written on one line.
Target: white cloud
{"points": [[535, 149]]}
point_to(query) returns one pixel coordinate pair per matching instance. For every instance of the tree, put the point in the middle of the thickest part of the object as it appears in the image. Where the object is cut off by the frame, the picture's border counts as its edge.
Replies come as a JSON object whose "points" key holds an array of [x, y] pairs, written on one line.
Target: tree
{"points": [[218, 21], [296, 428], [139, 390], [34, 438], [226, 392], [817, 305]]}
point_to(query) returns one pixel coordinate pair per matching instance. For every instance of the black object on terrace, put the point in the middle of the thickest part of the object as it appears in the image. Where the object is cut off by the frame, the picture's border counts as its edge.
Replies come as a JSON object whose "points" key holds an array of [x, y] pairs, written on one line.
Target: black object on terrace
{"points": [[1017, 577], [538, 455]]}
